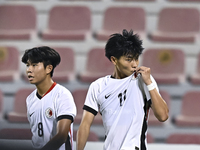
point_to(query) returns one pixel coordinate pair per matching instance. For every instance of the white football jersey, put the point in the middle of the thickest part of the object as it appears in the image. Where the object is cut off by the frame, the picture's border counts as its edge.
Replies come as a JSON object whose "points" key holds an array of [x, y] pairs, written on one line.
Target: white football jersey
{"points": [[124, 105], [44, 112]]}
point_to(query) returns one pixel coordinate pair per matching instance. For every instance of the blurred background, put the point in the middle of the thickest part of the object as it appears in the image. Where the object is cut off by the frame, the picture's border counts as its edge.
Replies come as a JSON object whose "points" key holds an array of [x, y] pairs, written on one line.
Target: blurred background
{"points": [[78, 30]]}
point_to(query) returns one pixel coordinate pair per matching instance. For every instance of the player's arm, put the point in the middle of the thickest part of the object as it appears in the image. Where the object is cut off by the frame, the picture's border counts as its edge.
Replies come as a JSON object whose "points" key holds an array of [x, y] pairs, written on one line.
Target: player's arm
{"points": [[63, 127], [158, 105], [84, 129]]}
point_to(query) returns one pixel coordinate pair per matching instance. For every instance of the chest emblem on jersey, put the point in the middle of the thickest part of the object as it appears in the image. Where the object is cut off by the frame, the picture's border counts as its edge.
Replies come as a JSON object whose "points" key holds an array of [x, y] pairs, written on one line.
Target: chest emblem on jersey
{"points": [[49, 112]]}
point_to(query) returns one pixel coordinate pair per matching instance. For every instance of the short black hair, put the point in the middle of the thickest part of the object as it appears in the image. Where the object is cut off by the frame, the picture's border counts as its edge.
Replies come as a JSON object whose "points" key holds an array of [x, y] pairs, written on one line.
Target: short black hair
{"points": [[123, 44], [44, 54]]}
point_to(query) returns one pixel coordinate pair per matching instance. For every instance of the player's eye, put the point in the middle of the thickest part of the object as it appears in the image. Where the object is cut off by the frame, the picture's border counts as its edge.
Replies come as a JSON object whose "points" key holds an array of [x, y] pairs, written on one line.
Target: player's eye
{"points": [[129, 59], [34, 64]]}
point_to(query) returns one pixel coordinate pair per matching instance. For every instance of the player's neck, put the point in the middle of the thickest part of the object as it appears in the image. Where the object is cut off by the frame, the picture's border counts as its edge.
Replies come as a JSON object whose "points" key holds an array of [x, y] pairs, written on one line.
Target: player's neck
{"points": [[43, 87], [117, 75]]}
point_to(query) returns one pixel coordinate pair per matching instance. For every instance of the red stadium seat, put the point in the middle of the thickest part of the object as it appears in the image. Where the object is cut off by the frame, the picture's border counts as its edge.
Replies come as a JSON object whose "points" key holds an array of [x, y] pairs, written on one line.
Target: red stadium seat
{"points": [[68, 23], [195, 78], [79, 98], [18, 22], [19, 113], [92, 136], [15, 133], [9, 64], [167, 65], [177, 25], [189, 115], [96, 69], [115, 20], [180, 138], [153, 121], [65, 71]]}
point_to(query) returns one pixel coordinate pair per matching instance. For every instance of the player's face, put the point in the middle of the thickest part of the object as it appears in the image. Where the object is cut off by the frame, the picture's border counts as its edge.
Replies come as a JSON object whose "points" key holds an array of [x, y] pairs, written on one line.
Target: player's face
{"points": [[126, 65], [36, 72]]}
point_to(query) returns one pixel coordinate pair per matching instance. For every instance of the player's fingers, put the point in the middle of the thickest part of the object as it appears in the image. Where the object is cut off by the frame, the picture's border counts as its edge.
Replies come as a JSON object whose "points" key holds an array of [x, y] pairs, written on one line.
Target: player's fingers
{"points": [[142, 68]]}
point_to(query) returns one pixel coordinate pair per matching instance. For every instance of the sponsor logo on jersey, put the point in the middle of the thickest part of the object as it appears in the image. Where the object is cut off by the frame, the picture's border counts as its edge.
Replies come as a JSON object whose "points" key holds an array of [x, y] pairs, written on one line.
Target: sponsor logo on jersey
{"points": [[49, 112], [32, 114], [106, 96]]}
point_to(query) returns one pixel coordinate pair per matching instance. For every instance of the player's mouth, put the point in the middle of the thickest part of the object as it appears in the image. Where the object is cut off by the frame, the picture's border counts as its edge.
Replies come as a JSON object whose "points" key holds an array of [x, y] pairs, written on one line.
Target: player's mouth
{"points": [[30, 77]]}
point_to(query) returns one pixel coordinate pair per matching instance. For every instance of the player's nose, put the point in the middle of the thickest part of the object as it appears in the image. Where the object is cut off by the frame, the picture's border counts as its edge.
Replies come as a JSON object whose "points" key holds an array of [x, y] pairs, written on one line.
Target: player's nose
{"points": [[28, 69], [134, 63]]}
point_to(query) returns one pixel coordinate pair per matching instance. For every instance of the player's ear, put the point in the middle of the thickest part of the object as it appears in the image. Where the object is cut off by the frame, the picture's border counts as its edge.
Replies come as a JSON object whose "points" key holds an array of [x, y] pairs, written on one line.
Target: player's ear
{"points": [[113, 60], [49, 68]]}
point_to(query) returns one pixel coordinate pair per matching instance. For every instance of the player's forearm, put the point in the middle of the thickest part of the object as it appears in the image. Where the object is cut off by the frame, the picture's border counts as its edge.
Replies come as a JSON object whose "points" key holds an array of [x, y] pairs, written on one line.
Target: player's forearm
{"points": [[55, 142], [159, 106], [82, 136]]}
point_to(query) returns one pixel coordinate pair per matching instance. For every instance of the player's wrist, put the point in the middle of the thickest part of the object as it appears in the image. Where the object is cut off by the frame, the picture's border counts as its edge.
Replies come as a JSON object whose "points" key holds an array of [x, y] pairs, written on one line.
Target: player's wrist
{"points": [[151, 86]]}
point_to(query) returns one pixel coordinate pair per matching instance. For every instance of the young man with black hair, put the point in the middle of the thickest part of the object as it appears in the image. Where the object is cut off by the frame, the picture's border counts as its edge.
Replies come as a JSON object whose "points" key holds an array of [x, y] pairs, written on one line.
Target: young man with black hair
{"points": [[123, 98], [50, 107]]}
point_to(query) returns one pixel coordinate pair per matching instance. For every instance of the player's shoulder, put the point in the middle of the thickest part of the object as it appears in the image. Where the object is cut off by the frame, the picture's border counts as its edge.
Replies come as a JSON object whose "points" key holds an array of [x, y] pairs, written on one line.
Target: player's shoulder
{"points": [[31, 95], [60, 89], [100, 81]]}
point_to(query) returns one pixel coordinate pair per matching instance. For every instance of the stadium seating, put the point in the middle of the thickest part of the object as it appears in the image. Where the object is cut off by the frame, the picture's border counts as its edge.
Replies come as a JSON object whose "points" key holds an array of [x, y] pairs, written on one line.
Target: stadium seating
{"points": [[79, 98], [68, 23], [195, 78], [189, 115], [18, 22], [180, 138], [19, 112], [15, 133], [177, 25], [92, 136], [97, 66], [153, 121], [65, 71], [9, 64], [115, 20], [167, 64]]}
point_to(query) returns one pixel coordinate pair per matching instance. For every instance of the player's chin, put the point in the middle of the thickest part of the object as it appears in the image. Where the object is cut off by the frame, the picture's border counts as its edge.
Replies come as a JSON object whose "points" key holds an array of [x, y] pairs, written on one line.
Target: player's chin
{"points": [[32, 82]]}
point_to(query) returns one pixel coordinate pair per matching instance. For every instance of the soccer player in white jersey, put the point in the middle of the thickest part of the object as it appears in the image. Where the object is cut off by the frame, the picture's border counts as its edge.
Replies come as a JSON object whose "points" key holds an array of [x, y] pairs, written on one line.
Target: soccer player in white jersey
{"points": [[50, 107], [123, 98]]}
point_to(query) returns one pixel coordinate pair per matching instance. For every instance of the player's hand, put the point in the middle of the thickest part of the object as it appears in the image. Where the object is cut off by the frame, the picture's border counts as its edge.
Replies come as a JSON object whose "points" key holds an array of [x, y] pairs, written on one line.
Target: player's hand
{"points": [[145, 72]]}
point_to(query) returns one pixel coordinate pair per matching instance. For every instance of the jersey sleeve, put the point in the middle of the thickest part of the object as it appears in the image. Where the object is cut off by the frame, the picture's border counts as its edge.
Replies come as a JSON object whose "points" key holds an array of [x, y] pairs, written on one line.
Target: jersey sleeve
{"points": [[91, 104], [65, 106]]}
